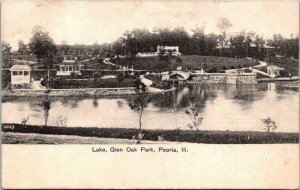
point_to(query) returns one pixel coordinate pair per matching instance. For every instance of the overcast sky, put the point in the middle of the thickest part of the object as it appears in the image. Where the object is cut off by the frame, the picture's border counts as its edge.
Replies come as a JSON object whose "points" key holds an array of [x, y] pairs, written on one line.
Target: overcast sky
{"points": [[85, 22]]}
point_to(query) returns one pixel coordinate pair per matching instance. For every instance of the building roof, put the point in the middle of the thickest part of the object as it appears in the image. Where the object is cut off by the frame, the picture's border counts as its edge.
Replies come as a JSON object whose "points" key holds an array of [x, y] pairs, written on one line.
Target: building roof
{"points": [[275, 67], [68, 61], [268, 47], [20, 68]]}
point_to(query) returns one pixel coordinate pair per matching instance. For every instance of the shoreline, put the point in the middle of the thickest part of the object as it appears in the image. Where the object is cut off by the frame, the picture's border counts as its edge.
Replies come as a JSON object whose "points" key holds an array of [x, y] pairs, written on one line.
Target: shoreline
{"points": [[35, 138], [81, 92], [191, 136], [278, 79]]}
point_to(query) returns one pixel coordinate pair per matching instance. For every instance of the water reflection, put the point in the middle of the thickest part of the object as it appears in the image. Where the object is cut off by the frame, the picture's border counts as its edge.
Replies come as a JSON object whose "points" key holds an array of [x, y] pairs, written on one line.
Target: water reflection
{"points": [[223, 107]]}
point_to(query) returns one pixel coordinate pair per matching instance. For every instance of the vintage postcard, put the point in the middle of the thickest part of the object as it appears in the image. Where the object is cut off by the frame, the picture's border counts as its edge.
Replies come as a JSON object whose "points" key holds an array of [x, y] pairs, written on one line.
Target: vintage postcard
{"points": [[150, 94]]}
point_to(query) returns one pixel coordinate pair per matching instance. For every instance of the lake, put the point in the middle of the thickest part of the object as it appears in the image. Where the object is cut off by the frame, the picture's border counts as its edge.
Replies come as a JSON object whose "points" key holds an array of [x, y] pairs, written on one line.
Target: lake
{"points": [[223, 107]]}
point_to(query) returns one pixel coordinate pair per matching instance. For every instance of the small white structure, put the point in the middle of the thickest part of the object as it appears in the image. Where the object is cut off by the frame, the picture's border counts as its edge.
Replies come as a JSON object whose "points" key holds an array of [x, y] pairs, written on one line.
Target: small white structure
{"points": [[109, 77], [173, 49], [274, 71], [20, 74], [67, 67], [146, 54]]}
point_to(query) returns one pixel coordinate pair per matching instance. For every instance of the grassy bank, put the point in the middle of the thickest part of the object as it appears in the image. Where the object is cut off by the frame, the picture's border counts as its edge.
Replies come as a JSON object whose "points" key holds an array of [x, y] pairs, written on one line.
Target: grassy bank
{"points": [[194, 62], [210, 137], [34, 138]]}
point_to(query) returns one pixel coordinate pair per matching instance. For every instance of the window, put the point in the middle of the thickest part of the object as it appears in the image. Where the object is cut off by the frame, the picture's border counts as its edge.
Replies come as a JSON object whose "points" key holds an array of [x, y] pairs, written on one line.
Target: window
{"points": [[20, 72], [26, 73], [70, 68], [15, 73]]}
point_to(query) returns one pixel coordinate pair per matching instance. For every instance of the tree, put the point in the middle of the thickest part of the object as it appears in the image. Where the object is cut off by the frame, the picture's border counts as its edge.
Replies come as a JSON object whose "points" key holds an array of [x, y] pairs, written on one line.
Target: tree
{"points": [[6, 47], [41, 44], [22, 46], [238, 44], [210, 44], [223, 25], [259, 42], [248, 41], [193, 111], [269, 124], [140, 102], [129, 45], [197, 41], [6, 50], [43, 47]]}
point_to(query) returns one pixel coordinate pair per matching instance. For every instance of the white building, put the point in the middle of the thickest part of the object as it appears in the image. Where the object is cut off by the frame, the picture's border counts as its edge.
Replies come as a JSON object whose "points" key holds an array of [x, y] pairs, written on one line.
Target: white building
{"points": [[20, 74], [67, 67], [173, 49]]}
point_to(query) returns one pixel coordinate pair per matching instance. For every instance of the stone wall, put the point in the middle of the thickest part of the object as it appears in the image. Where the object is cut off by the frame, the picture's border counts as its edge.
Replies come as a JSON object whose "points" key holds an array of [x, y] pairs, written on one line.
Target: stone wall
{"points": [[224, 78]]}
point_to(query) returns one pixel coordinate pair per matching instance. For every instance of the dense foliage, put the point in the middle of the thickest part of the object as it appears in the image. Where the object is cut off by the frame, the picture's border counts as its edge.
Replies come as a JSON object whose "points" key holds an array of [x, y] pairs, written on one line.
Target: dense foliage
{"points": [[94, 83]]}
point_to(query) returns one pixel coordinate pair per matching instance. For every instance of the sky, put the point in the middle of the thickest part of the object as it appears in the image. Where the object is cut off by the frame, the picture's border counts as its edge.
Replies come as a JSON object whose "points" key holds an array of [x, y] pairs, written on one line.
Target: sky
{"points": [[87, 21]]}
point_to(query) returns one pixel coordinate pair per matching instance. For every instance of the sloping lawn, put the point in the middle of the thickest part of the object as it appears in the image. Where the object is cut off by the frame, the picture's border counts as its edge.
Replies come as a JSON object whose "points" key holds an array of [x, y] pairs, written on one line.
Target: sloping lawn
{"points": [[194, 62]]}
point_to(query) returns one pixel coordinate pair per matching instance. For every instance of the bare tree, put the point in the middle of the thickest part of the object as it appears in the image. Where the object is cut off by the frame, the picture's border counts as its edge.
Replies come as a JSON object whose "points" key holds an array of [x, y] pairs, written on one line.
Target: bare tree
{"points": [[223, 25]]}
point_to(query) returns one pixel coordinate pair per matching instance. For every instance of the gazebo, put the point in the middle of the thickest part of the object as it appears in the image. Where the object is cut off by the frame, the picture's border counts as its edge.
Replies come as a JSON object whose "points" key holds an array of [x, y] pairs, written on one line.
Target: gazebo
{"points": [[69, 66], [20, 74], [274, 71]]}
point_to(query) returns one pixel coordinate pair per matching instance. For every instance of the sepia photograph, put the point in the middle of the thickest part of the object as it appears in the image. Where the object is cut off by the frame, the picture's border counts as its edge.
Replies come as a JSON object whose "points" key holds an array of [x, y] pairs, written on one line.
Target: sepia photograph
{"points": [[153, 79]]}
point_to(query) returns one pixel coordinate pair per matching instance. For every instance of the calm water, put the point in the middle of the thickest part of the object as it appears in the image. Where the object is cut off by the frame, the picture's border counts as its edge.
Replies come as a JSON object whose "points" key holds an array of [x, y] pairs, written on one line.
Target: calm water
{"points": [[223, 107]]}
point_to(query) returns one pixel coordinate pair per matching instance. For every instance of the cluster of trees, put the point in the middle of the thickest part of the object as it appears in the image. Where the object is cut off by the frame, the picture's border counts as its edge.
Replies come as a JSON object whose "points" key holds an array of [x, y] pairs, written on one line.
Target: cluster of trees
{"points": [[242, 44], [285, 47]]}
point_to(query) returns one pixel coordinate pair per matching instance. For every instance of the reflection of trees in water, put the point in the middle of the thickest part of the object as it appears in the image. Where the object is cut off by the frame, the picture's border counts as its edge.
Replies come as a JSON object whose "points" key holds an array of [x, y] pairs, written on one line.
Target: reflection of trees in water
{"points": [[70, 101], [242, 92], [46, 107], [165, 100], [120, 103], [95, 102], [203, 92], [181, 98], [281, 86]]}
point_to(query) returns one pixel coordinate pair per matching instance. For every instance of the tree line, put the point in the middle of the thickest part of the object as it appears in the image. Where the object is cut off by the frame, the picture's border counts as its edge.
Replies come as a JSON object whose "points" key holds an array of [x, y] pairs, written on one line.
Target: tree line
{"points": [[197, 42]]}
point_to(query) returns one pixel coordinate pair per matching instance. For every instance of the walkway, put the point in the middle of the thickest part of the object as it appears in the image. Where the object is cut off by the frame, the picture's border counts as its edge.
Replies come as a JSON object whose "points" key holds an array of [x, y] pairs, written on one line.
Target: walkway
{"points": [[107, 62], [261, 64], [261, 72], [147, 82], [36, 85]]}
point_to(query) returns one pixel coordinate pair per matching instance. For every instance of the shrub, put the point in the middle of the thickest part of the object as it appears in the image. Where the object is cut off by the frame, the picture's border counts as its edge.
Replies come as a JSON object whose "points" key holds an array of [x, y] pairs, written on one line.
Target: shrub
{"points": [[5, 78]]}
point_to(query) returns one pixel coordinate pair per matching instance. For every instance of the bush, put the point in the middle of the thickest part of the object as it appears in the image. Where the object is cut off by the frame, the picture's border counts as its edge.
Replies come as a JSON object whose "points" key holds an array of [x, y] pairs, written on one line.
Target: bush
{"points": [[284, 73], [5, 78]]}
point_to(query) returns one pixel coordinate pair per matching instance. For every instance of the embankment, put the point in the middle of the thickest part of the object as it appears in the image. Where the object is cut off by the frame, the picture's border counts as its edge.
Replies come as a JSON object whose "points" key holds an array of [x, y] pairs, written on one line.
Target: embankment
{"points": [[210, 137], [81, 92]]}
